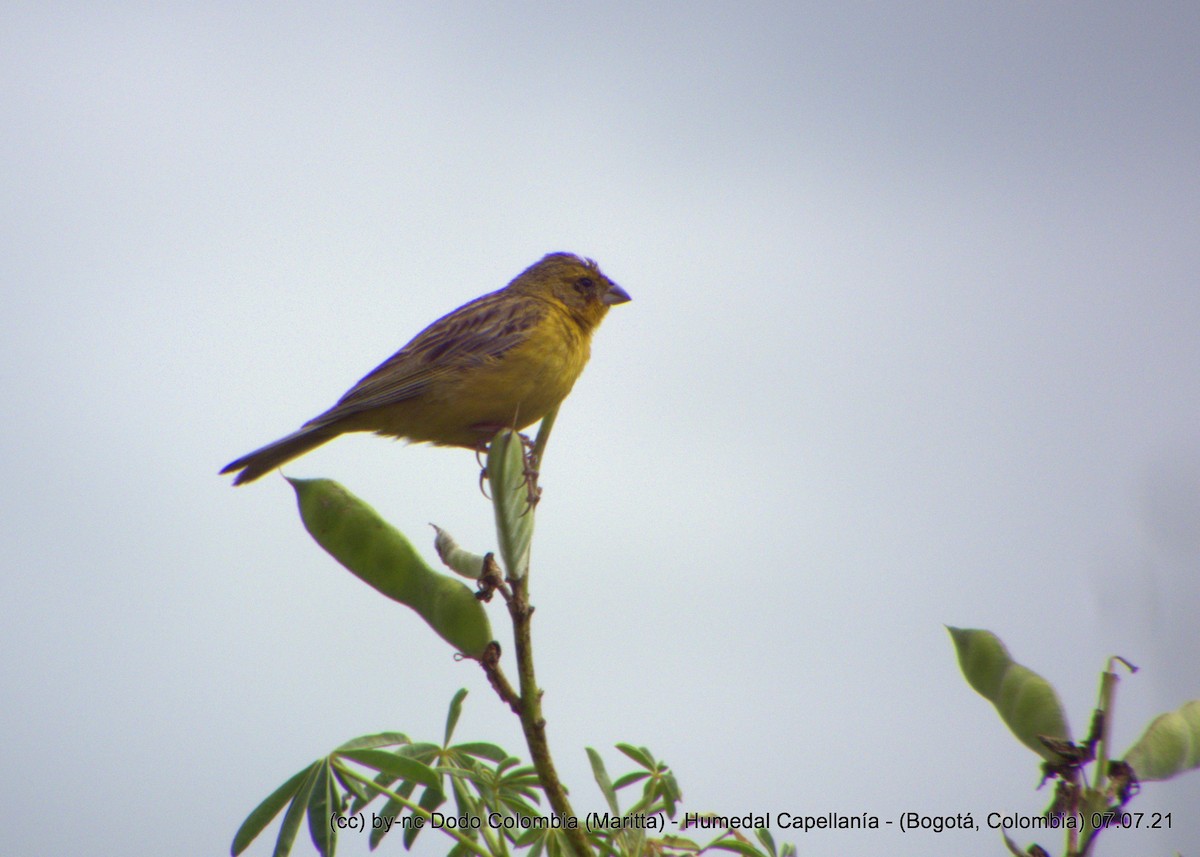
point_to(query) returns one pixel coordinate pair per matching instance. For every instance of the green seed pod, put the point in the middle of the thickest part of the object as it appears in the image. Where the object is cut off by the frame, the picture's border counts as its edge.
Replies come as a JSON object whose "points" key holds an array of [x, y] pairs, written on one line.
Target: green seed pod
{"points": [[378, 554], [510, 499], [983, 660], [1169, 746], [1026, 702], [457, 559]]}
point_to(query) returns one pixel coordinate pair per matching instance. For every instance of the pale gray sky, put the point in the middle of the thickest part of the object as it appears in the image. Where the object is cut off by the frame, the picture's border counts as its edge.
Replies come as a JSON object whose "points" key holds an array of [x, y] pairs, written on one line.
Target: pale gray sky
{"points": [[913, 342]]}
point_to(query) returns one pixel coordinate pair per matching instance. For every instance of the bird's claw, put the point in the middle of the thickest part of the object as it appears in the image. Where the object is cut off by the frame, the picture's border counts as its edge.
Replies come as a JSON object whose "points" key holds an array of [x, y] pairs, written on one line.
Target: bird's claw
{"points": [[534, 491]]}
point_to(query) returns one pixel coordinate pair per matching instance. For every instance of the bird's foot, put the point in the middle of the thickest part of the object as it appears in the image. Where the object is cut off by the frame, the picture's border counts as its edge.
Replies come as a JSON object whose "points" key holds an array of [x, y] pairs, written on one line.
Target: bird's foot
{"points": [[534, 491], [530, 471]]}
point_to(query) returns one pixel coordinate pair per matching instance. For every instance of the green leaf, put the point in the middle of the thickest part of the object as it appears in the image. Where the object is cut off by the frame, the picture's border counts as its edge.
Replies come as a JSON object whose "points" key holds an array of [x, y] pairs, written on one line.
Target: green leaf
{"points": [[668, 791], [363, 793], [424, 750], [464, 800], [1169, 746], [296, 812], [1027, 703], [430, 800], [457, 772], [671, 786], [680, 842], [320, 807], [639, 754], [629, 779], [602, 780], [510, 500], [371, 791], [265, 812], [454, 713], [768, 841], [520, 808], [483, 750], [393, 809], [395, 764], [633, 840], [379, 739]]}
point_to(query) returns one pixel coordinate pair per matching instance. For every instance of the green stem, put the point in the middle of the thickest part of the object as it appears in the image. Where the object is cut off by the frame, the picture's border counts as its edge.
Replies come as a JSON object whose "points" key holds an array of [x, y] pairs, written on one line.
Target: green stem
{"points": [[1108, 686], [543, 435], [526, 701], [533, 724]]}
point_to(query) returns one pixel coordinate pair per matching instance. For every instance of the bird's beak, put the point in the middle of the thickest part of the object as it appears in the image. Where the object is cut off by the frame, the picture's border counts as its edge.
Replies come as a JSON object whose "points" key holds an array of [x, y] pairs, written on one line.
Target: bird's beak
{"points": [[615, 295]]}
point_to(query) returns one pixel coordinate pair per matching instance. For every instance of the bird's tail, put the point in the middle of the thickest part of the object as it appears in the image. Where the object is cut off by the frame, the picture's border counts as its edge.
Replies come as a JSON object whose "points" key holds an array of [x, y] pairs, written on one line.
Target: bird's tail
{"points": [[263, 461]]}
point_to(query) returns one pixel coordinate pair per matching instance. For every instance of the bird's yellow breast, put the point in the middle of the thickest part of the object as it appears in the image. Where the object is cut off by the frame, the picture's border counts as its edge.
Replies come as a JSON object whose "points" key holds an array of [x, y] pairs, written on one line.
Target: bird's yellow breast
{"points": [[465, 407]]}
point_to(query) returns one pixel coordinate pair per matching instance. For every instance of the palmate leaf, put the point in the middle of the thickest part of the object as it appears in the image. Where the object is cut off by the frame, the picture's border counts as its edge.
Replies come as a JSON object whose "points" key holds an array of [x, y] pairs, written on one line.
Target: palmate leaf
{"points": [[314, 793], [265, 812], [337, 784]]}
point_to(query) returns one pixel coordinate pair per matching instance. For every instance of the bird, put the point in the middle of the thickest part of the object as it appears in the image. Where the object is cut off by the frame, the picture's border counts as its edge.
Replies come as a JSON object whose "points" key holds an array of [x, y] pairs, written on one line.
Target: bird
{"points": [[503, 360]]}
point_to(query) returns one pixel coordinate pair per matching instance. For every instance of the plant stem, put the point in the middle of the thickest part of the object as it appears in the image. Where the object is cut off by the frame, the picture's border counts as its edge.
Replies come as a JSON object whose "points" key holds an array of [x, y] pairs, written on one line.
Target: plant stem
{"points": [[527, 701], [532, 722], [1108, 685], [543, 436], [499, 681]]}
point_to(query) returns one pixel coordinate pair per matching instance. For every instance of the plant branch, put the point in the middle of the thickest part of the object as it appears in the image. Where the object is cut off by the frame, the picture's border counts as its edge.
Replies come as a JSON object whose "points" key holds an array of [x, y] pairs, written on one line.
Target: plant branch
{"points": [[543, 436], [496, 677], [513, 477], [533, 724]]}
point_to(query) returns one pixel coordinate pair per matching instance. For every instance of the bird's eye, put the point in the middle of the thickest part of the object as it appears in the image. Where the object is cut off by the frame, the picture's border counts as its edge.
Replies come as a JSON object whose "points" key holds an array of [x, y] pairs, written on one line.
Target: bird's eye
{"points": [[584, 285]]}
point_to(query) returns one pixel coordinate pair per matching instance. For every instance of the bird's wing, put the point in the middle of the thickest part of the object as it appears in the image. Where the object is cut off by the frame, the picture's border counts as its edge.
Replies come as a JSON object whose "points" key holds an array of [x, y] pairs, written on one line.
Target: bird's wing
{"points": [[475, 333]]}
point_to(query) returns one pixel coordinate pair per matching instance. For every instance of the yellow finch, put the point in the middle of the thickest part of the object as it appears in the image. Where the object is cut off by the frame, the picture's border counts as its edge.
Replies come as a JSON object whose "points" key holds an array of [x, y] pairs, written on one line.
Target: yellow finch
{"points": [[503, 360]]}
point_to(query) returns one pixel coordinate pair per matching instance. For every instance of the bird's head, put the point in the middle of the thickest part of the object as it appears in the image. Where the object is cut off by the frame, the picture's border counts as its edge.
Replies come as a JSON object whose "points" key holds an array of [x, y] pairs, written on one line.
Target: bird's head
{"points": [[575, 282]]}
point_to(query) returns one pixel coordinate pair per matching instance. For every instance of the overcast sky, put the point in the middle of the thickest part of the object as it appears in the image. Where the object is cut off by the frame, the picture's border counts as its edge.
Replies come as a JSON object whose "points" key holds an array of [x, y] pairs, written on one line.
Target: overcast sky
{"points": [[913, 342]]}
